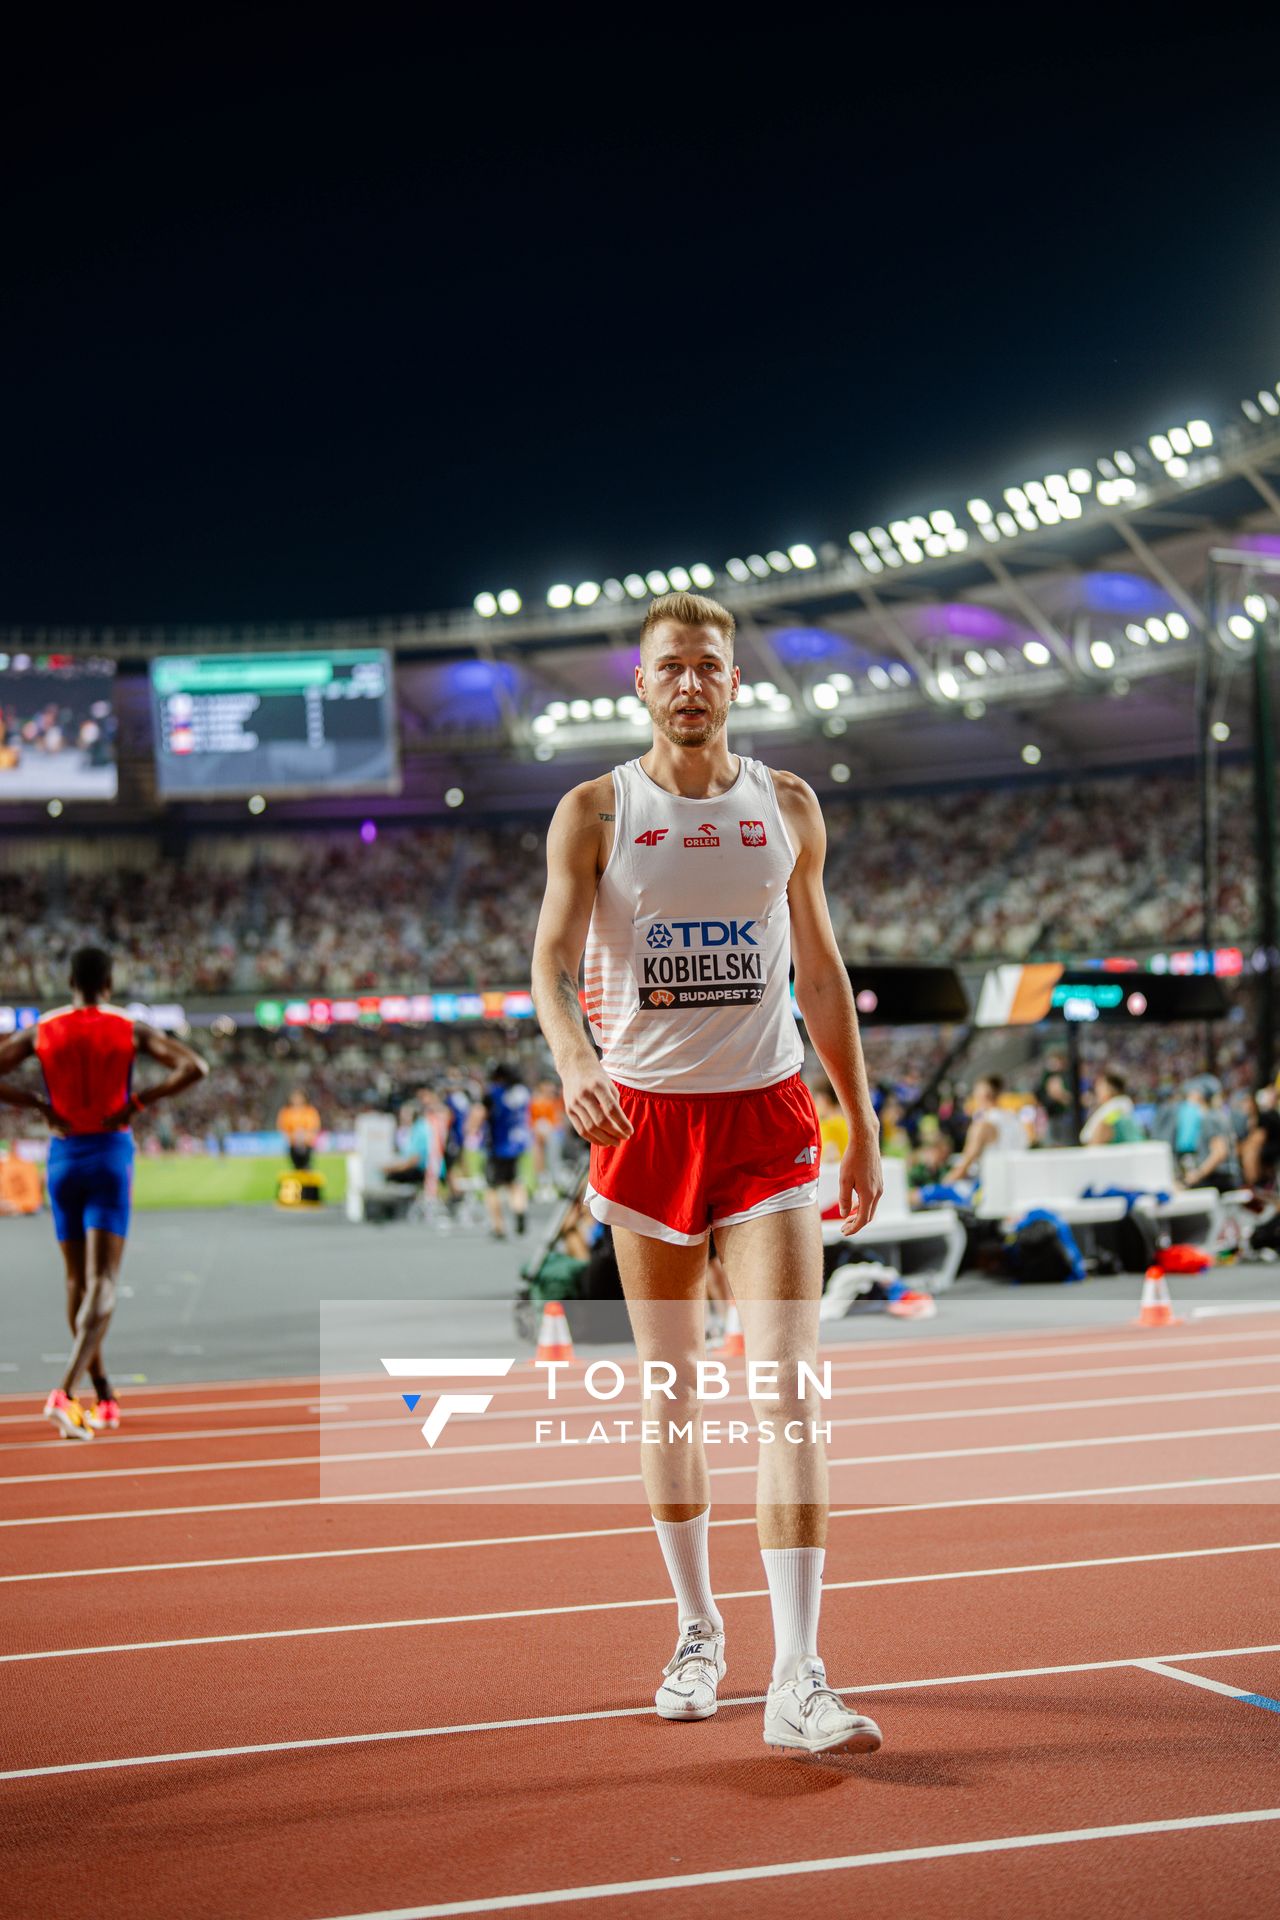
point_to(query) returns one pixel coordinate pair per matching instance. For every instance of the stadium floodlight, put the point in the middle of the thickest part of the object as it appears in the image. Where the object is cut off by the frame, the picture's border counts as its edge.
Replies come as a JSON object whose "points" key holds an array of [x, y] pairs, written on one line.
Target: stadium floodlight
{"points": [[879, 678], [614, 590], [764, 690], [978, 511], [1069, 506], [1240, 627], [1158, 629], [1125, 462], [759, 565], [579, 709], [881, 539], [681, 579], [544, 751], [1180, 440], [746, 694], [1249, 408], [974, 709], [900, 530], [561, 595], [1201, 433], [639, 716], [656, 581], [628, 703], [910, 551], [453, 796], [1176, 468], [256, 803], [802, 555], [1160, 446], [825, 696], [781, 703], [892, 558], [587, 593], [942, 521], [1268, 402], [835, 726], [485, 605], [1036, 492], [1177, 625], [1049, 515], [1036, 653], [1103, 654], [509, 601], [544, 724], [54, 808], [989, 532], [1107, 493], [1014, 497], [1255, 606], [975, 662], [602, 708], [995, 660], [860, 543], [948, 685], [1026, 520], [1080, 480], [935, 545], [1107, 469], [1031, 754], [737, 570], [900, 675], [919, 527], [558, 710], [778, 560], [872, 562], [1007, 524], [1137, 634], [702, 575], [1057, 484], [957, 540], [636, 585], [841, 682], [1220, 731], [840, 773]]}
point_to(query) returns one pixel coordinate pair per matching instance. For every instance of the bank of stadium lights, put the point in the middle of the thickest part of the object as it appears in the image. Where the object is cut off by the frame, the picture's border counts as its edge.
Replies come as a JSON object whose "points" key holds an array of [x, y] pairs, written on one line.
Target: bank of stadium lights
{"points": [[947, 684], [488, 604], [825, 696], [975, 662], [1256, 607], [1035, 653], [1102, 654], [1240, 626]]}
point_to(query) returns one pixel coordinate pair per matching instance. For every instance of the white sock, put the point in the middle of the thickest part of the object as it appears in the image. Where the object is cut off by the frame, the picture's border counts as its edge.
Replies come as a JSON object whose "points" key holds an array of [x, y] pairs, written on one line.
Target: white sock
{"points": [[795, 1595], [684, 1548]]}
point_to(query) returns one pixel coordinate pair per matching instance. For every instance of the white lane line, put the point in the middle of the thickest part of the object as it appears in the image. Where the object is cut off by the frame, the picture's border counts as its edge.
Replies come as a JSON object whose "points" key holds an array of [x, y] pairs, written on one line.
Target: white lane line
{"points": [[202, 1436], [615, 1533], [918, 1354], [1255, 1306], [1192, 1679], [334, 1462], [630, 1606], [408, 1495], [840, 1863], [602, 1713]]}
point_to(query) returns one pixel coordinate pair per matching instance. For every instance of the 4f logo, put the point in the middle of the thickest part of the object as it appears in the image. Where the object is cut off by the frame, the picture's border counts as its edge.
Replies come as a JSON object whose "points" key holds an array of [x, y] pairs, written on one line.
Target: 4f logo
{"points": [[807, 1157], [651, 836], [435, 1422]]}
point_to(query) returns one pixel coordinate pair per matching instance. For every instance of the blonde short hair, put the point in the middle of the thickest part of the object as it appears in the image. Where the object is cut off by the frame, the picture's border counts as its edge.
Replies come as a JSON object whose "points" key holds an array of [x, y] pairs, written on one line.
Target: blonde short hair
{"points": [[689, 610]]}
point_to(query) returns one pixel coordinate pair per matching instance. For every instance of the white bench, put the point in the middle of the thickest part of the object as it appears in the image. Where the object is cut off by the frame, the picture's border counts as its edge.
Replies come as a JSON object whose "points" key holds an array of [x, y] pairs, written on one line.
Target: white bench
{"points": [[1056, 1178], [897, 1225], [370, 1195]]}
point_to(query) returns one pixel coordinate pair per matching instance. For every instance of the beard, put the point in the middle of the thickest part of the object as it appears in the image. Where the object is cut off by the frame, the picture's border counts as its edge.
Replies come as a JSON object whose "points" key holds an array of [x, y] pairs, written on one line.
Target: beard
{"points": [[682, 733]]}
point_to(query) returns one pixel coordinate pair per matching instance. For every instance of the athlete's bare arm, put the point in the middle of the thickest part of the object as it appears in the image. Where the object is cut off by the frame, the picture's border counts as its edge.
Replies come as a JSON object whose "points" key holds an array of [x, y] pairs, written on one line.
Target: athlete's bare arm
{"points": [[578, 843], [825, 999], [980, 1136], [184, 1064], [20, 1047]]}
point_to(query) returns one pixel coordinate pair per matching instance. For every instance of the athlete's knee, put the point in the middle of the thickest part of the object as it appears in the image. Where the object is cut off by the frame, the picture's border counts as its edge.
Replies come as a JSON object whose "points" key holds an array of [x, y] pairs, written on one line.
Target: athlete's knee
{"points": [[99, 1300]]}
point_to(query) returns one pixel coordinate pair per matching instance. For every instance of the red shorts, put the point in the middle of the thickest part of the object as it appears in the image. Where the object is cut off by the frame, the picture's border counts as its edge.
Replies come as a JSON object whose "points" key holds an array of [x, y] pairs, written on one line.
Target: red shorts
{"points": [[699, 1160]]}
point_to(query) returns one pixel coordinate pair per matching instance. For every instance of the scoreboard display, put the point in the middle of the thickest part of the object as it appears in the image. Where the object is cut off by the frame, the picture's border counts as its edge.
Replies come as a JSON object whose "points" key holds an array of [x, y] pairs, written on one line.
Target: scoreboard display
{"points": [[274, 723]]}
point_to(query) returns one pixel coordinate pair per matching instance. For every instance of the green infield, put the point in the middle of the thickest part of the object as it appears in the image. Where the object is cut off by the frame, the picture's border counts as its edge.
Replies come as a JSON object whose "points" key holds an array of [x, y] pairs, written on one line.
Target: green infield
{"points": [[203, 1180]]}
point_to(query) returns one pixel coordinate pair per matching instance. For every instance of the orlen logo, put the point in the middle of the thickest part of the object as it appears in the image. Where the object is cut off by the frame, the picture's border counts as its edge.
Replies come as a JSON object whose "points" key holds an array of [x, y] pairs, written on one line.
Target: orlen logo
{"points": [[651, 836], [705, 837], [660, 997], [436, 1420], [752, 833], [705, 933]]}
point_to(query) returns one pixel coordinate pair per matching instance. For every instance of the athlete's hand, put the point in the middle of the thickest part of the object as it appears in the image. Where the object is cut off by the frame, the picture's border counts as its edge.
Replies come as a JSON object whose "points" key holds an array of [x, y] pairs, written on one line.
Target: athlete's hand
{"points": [[120, 1118], [861, 1177], [54, 1121], [592, 1104]]}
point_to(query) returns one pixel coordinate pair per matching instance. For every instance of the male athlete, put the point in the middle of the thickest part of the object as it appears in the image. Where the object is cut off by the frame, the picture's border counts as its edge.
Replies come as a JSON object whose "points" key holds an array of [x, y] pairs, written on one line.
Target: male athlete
{"points": [[86, 1052], [693, 877]]}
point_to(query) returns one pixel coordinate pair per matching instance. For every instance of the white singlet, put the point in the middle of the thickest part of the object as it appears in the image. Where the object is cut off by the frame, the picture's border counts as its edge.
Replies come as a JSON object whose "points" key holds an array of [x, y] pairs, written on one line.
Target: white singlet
{"points": [[688, 956]]}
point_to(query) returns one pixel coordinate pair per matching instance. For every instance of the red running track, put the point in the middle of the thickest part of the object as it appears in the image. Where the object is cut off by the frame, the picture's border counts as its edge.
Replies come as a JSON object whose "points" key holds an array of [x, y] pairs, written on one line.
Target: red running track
{"points": [[439, 1706]]}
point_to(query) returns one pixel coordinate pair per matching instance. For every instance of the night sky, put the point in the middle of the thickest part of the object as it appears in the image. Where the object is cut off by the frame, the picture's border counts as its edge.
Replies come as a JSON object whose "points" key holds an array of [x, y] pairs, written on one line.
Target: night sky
{"points": [[306, 323]]}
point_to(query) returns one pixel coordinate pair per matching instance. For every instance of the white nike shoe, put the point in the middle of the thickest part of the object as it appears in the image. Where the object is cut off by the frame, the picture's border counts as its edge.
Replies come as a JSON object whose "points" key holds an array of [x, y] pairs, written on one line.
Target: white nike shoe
{"points": [[691, 1675], [805, 1715]]}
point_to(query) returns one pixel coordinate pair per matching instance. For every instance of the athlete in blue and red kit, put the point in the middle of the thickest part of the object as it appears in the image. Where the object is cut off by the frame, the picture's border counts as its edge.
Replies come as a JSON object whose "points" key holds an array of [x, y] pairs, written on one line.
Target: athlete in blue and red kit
{"points": [[86, 1052]]}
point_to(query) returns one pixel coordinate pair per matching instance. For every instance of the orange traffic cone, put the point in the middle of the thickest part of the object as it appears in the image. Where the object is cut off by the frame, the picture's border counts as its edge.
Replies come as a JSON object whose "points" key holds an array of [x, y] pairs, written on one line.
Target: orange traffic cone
{"points": [[1157, 1307], [733, 1346], [555, 1342]]}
